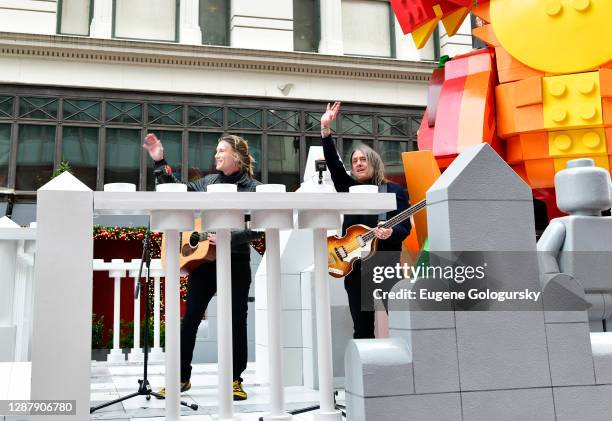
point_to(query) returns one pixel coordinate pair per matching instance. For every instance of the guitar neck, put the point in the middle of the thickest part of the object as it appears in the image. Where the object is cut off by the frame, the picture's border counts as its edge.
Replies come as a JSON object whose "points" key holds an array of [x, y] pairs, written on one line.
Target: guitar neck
{"points": [[398, 219]]}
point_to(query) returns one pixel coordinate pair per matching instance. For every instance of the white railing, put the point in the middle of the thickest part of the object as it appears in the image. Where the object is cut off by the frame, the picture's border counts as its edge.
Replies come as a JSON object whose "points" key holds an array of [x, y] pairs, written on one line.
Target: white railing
{"points": [[17, 247], [65, 215], [117, 269]]}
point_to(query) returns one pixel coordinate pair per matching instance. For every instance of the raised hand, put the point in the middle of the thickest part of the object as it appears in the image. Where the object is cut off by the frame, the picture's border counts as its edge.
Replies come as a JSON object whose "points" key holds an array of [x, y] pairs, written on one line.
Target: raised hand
{"points": [[328, 117], [154, 146]]}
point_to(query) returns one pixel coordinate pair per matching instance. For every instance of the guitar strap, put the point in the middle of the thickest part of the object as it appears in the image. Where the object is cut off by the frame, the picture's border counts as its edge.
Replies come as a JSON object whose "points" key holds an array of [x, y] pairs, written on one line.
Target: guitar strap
{"points": [[382, 189]]}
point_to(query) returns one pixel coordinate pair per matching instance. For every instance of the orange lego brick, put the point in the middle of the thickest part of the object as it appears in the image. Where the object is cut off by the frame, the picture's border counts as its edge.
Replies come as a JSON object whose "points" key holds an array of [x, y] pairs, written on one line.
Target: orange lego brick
{"points": [[474, 110], [605, 86], [510, 70], [528, 92], [513, 118], [486, 34], [452, 22], [514, 152], [608, 133], [421, 170], [534, 145], [540, 173]]}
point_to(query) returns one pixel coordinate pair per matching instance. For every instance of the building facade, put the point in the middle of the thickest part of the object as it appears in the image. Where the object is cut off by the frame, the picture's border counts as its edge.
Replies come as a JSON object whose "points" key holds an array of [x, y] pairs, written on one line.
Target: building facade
{"points": [[82, 82]]}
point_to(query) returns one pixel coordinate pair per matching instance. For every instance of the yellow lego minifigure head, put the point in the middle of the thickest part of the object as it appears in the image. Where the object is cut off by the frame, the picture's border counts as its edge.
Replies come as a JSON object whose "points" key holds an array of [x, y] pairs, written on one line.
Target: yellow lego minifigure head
{"points": [[555, 36]]}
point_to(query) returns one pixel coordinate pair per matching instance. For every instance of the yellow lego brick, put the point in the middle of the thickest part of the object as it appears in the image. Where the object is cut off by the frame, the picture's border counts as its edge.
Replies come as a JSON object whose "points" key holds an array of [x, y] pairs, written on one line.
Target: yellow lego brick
{"points": [[600, 161], [572, 143], [572, 101]]}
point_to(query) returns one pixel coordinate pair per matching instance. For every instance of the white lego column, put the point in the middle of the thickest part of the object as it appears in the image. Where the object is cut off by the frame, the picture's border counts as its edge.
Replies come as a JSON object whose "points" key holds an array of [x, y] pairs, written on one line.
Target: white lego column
{"points": [[136, 354], [320, 222], [8, 258], [63, 294], [116, 355], [263, 24], [171, 223], [272, 221], [331, 28], [157, 353], [190, 32], [221, 221], [102, 20]]}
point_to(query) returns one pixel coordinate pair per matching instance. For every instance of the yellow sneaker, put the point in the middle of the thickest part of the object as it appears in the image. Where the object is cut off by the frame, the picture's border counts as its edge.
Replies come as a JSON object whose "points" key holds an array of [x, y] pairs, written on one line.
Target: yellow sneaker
{"points": [[185, 386], [239, 393]]}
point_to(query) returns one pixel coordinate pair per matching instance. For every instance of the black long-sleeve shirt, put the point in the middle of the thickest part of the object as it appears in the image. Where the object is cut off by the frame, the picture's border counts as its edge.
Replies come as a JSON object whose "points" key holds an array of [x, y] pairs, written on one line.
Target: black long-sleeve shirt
{"points": [[342, 182]]}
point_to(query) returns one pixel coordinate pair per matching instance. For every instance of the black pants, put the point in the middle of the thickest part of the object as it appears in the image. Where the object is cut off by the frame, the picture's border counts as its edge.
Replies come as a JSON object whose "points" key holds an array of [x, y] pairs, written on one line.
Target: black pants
{"points": [[363, 321], [201, 288], [360, 290]]}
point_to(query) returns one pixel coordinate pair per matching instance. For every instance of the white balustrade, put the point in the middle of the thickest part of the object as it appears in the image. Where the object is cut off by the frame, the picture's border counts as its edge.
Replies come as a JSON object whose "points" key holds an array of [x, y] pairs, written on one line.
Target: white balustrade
{"points": [[117, 269], [172, 212], [17, 262]]}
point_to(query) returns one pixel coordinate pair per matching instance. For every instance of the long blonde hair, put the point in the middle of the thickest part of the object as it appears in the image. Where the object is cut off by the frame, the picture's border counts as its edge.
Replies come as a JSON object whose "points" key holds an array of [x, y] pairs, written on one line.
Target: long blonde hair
{"points": [[241, 147], [374, 161]]}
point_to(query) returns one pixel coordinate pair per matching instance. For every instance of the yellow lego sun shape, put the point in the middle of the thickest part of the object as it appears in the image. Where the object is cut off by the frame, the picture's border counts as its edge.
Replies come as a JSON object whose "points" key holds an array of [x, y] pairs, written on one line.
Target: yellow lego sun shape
{"points": [[555, 36]]}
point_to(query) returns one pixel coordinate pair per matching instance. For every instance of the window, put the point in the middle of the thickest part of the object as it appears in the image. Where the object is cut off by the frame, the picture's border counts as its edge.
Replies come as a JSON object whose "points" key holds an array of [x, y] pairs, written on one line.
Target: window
{"points": [[122, 163], [283, 120], [6, 106], [284, 161], [74, 17], [101, 138], [35, 153], [205, 116], [367, 28], [391, 154], [80, 150], [146, 19], [170, 114], [81, 110], [5, 153], [357, 124], [306, 29], [245, 118], [214, 21], [123, 112], [38, 108]]}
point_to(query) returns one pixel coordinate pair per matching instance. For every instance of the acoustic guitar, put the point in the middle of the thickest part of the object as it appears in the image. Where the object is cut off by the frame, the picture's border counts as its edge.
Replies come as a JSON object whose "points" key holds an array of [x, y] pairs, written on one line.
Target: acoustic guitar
{"points": [[359, 241], [195, 248]]}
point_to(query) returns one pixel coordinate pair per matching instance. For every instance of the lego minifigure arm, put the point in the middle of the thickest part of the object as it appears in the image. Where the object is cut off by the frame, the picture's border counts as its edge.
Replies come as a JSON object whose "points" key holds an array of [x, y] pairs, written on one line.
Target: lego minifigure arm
{"points": [[549, 245]]}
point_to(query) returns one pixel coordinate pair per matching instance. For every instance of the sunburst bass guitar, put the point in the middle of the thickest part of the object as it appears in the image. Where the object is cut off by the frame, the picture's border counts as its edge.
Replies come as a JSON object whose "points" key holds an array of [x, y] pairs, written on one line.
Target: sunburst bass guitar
{"points": [[359, 241]]}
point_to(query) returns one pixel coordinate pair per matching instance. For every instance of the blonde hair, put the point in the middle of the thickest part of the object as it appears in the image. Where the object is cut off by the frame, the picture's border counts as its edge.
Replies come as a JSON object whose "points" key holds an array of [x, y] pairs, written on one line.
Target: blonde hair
{"points": [[241, 147], [375, 163]]}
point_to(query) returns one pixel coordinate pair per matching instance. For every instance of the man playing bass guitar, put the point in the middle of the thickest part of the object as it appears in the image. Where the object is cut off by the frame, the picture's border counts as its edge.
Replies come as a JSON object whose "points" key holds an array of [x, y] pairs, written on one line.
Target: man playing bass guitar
{"points": [[367, 167]]}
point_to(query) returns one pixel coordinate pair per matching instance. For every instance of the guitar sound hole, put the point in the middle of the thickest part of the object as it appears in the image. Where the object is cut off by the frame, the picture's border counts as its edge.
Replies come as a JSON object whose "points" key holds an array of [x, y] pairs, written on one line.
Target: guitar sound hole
{"points": [[194, 239]]}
